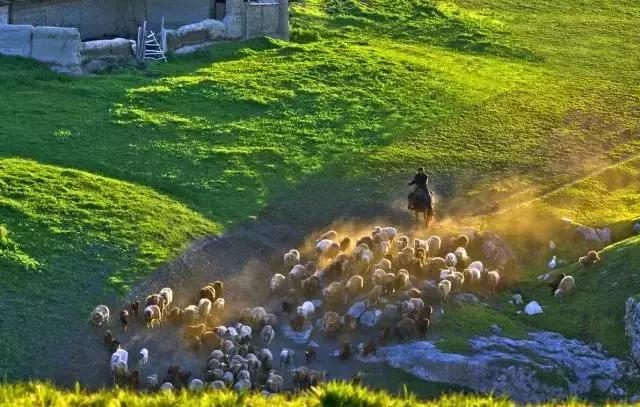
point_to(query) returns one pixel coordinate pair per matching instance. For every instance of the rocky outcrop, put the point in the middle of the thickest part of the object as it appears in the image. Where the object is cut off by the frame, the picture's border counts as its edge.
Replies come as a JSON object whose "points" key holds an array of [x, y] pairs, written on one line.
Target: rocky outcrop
{"points": [[543, 367], [632, 327]]}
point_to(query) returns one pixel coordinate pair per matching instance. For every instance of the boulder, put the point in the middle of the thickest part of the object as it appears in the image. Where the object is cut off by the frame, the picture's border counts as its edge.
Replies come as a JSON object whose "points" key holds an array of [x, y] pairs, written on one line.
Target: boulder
{"points": [[495, 250], [465, 298], [632, 327], [533, 308], [636, 228], [214, 29], [117, 47], [371, 318], [58, 47], [16, 40], [357, 309], [300, 337], [517, 299], [495, 329], [545, 366]]}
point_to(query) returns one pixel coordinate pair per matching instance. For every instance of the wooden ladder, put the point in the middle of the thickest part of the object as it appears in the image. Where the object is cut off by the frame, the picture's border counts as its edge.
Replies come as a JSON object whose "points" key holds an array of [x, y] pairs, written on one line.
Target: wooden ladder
{"points": [[148, 45]]}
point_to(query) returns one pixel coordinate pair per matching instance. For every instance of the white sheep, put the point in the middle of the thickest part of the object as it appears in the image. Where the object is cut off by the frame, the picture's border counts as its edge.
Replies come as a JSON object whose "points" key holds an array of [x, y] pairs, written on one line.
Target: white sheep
{"points": [[327, 248], [274, 382], [306, 310], [167, 294], [567, 284], [401, 243], [291, 258], [297, 272], [461, 255], [378, 276], [152, 315], [493, 280], [257, 315], [218, 307], [277, 283], [381, 249], [420, 244], [476, 265], [267, 334], [196, 385], [100, 315], [204, 308], [384, 233], [472, 276], [330, 235], [444, 288], [144, 358], [384, 264], [166, 386], [434, 244], [190, 314], [244, 331], [451, 260]]}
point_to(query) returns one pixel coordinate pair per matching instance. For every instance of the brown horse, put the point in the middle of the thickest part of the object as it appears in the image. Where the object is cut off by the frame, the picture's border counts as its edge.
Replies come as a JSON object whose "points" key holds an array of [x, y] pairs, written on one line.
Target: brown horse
{"points": [[422, 202]]}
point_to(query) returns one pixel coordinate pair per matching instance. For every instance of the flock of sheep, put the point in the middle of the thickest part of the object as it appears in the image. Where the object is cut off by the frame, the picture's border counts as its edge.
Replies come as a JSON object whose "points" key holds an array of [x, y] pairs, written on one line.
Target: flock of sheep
{"points": [[382, 283], [392, 278]]}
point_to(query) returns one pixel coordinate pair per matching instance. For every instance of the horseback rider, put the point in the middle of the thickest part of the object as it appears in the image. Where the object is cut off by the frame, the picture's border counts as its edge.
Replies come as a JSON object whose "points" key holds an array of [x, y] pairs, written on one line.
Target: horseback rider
{"points": [[420, 181]]}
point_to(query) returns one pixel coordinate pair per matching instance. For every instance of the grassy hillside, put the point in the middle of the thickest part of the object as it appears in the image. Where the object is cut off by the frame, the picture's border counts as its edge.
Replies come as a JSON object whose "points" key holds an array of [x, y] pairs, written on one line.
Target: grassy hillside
{"points": [[332, 394], [117, 172], [65, 236]]}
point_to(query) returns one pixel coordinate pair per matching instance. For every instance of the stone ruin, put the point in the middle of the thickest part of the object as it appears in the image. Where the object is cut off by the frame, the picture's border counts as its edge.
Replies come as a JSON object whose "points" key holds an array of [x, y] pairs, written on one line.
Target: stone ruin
{"points": [[75, 36]]}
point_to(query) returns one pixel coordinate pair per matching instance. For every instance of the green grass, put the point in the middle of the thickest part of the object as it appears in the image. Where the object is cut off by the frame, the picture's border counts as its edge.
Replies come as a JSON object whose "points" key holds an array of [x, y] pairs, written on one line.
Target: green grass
{"points": [[528, 93], [65, 236], [331, 394]]}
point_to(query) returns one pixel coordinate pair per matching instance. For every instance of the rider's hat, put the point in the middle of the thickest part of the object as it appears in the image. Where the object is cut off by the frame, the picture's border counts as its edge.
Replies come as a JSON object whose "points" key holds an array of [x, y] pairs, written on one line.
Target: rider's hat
{"points": [[421, 169]]}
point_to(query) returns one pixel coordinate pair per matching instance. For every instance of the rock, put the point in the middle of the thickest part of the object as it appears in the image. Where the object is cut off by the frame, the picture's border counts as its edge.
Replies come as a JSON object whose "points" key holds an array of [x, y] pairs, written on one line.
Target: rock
{"points": [[545, 366], [465, 298], [634, 399], [533, 308], [15, 40], [371, 318], [57, 46], [357, 309], [604, 235], [636, 228], [214, 29], [495, 329], [300, 337], [632, 327], [517, 299]]}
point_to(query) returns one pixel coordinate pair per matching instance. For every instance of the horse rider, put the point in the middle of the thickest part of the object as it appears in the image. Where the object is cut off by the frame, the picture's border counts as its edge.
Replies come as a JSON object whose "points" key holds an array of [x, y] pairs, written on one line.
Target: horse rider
{"points": [[420, 181]]}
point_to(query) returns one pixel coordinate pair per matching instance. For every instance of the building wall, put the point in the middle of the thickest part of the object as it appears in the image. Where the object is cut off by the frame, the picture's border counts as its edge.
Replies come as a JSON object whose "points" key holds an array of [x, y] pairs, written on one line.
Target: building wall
{"points": [[4, 14], [110, 18]]}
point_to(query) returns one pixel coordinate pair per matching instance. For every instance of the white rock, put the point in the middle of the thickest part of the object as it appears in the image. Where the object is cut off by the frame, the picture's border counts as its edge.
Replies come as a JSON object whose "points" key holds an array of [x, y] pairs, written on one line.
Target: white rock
{"points": [[532, 308], [517, 299]]}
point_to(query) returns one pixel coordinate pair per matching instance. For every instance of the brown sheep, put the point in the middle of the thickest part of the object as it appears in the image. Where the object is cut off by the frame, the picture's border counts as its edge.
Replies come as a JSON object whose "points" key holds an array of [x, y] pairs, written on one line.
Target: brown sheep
{"points": [[135, 307], [423, 325], [310, 285], [350, 322], [406, 329], [368, 240], [354, 286], [435, 265], [298, 322], [333, 293], [152, 315], [426, 312], [219, 287], [345, 244], [124, 319], [591, 258], [300, 377], [389, 283], [375, 294], [401, 280], [315, 378], [208, 292], [462, 241], [413, 293], [331, 322], [369, 348], [310, 353]]}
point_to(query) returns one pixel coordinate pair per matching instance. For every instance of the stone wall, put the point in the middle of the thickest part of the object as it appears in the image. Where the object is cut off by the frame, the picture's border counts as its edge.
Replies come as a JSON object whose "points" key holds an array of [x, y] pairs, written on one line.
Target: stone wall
{"points": [[58, 47], [97, 19], [103, 55]]}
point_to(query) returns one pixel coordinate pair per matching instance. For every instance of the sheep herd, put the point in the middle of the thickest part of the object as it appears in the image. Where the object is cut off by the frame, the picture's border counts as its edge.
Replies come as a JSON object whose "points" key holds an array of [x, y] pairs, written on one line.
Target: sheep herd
{"points": [[375, 289]]}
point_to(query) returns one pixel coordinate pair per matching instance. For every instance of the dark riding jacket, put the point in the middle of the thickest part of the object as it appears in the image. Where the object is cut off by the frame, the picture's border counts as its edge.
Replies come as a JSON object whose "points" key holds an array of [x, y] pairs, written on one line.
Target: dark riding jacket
{"points": [[419, 180]]}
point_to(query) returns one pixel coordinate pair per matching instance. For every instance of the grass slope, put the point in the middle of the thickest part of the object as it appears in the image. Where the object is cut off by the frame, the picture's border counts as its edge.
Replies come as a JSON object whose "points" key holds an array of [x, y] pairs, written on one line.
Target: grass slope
{"points": [[65, 235]]}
